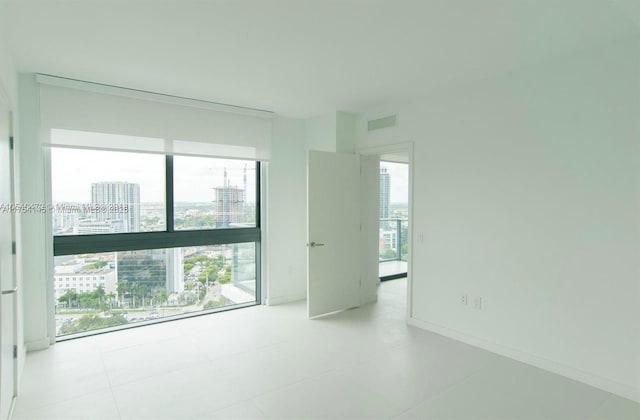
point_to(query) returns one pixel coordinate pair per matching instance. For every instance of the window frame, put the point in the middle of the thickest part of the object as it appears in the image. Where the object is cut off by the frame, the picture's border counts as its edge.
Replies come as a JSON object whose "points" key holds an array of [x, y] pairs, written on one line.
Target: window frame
{"points": [[168, 238]]}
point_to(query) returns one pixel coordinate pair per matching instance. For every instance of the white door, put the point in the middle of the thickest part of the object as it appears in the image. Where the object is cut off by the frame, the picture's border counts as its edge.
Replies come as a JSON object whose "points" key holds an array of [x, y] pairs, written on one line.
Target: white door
{"points": [[338, 271], [7, 279]]}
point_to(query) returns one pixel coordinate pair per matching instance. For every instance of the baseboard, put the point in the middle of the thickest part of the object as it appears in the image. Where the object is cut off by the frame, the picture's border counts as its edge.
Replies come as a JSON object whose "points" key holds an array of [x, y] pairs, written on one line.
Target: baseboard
{"points": [[36, 345], [588, 378], [280, 300]]}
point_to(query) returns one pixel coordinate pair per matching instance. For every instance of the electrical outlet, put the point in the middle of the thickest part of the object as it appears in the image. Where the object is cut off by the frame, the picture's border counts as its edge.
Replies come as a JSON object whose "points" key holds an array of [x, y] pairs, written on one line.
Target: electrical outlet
{"points": [[463, 299], [477, 302]]}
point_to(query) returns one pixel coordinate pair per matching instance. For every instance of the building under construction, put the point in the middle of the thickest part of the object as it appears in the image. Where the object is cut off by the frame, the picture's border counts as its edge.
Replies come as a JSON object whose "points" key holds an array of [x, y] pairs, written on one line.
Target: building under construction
{"points": [[229, 203]]}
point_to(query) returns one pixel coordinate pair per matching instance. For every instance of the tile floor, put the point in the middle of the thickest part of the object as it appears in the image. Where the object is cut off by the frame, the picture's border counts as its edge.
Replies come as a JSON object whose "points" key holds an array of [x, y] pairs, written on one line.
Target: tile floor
{"points": [[271, 362], [388, 268]]}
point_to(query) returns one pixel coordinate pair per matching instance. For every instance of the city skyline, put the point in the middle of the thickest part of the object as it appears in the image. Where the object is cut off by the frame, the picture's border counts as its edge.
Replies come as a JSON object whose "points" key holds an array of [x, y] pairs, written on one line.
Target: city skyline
{"points": [[398, 181], [73, 170]]}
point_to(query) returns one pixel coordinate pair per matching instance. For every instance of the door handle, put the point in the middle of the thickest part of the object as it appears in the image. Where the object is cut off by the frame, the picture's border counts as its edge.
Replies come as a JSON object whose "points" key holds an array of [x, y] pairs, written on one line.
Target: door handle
{"points": [[10, 291], [314, 244]]}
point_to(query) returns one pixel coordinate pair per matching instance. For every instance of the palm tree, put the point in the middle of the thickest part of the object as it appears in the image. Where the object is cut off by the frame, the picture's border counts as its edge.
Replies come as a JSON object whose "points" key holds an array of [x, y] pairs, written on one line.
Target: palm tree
{"points": [[160, 296], [111, 296], [68, 296], [99, 293], [134, 290], [121, 288], [143, 290]]}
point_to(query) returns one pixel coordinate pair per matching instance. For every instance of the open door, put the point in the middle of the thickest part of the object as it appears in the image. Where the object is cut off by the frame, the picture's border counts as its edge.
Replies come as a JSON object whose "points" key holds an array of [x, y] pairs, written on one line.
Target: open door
{"points": [[342, 251], [8, 303]]}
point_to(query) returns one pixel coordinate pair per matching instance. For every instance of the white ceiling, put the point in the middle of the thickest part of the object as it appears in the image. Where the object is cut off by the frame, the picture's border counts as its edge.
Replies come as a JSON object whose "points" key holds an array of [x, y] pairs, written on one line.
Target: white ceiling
{"points": [[302, 57]]}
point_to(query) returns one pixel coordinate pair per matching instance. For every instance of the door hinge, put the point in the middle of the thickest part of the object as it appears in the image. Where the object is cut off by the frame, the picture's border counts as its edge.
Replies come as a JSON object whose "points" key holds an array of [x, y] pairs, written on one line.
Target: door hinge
{"points": [[15, 351], [13, 247], [11, 142]]}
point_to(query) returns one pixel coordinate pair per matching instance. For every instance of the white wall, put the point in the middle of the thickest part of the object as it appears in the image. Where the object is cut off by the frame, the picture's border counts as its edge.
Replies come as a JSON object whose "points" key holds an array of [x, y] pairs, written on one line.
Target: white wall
{"points": [[320, 133], [9, 89], [8, 78], [286, 257], [286, 251], [33, 245], [527, 192], [333, 132], [346, 123]]}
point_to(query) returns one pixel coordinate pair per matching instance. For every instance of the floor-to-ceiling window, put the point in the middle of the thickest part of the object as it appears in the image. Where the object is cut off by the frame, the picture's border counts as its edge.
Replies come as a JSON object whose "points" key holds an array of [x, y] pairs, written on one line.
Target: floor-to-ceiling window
{"points": [[394, 220], [143, 237], [154, 204]]}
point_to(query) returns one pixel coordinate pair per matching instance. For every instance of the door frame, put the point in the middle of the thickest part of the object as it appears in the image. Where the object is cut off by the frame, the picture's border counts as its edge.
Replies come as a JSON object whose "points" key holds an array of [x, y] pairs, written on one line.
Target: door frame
{"points": [[404, 148]]}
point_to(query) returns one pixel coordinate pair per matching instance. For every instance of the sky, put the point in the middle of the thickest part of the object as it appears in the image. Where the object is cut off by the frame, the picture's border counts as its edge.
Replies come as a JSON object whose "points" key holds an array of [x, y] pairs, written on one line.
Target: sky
{"points": [[399, 180], [73, 171]]}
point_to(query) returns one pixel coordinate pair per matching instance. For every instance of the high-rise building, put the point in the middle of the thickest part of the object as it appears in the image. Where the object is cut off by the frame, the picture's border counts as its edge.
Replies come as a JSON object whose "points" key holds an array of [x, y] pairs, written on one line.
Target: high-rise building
{"points": [[229, 205], [229, 202], [385, 193], [117, 203]]}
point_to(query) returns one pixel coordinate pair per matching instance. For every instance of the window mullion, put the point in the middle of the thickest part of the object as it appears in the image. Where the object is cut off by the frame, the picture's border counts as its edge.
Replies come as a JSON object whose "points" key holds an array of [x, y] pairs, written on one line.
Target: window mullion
{"points": [[258, 198], [86, 244], [169, 193]]}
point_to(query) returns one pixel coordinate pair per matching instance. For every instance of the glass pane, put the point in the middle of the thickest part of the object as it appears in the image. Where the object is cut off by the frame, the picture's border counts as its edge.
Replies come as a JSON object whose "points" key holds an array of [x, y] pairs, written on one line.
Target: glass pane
{"points": [[394, 213], [213, 193], [96, 191], [96, 291]]}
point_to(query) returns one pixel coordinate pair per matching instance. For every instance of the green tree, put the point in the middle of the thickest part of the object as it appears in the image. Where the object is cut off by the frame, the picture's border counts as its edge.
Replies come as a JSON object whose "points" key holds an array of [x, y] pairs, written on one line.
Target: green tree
{"points": [[122, 288], [95, 265], [68, 297], [111, 297], [188, 265], [99, 296], [134, 290], [92, 322], [143, 290], [221, 301], [226, 276], [160, 296], [187, 298], [209, 275], [388, 254], [100, 293]]}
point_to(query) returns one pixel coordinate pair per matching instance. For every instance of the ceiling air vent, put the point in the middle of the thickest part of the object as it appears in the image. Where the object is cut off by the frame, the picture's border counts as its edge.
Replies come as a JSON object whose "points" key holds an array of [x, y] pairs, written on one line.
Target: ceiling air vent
{"points": [[384, 122]]}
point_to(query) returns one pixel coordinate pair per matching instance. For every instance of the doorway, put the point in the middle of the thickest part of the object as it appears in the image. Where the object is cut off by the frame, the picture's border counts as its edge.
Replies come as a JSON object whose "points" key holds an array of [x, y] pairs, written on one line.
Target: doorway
{"points": [[401, 154], [343, 223], [393, 241]]}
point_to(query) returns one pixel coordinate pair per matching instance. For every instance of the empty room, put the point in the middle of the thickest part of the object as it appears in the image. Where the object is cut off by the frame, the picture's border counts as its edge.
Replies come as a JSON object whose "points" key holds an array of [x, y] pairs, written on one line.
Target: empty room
{"points": [[330, 209]]}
